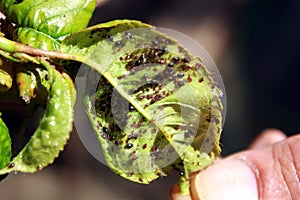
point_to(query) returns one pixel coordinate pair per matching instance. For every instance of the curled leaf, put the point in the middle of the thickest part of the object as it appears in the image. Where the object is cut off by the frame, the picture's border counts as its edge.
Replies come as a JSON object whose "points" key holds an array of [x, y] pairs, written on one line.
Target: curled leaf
{"points": [[54, 129]]}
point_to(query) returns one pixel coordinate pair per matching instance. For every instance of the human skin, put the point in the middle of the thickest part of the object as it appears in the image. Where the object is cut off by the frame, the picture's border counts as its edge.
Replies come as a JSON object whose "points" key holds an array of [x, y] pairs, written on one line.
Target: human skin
{"points": [[268, 170]]}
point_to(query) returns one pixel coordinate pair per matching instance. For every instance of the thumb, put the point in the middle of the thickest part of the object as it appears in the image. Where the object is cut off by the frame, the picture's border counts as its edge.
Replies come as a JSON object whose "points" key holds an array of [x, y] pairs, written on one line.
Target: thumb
{"points": [[269, 173], [229, 179]]}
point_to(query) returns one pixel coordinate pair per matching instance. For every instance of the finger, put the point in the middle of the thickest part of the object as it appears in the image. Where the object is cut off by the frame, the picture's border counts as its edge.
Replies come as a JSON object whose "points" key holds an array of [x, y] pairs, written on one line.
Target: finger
{"points": [[270, 173], [175, 192], [267, 137], [228, 179]]}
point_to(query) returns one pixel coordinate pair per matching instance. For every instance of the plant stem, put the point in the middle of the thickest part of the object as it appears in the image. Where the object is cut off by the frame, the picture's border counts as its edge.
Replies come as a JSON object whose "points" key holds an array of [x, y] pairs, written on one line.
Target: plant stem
{"points": [[15, 48]]}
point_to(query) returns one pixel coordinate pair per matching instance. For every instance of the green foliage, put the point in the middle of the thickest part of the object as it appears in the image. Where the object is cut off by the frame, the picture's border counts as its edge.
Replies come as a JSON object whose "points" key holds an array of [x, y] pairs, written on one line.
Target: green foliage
{"points": [[53, 132], [5, 147], [156, 107], [52, 17], [37, 39]]}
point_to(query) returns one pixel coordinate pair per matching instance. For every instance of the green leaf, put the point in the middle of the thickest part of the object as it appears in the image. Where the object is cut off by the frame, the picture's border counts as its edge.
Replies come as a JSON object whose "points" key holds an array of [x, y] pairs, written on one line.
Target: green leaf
{"points": [[52, 17], [5, 147], [156, 106], [54, 129], [37, 39]]}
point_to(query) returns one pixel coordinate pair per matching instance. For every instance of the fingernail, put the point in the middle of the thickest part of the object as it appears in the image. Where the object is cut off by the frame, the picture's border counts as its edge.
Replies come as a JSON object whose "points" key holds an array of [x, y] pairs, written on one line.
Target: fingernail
{"points": [[230, 179]]}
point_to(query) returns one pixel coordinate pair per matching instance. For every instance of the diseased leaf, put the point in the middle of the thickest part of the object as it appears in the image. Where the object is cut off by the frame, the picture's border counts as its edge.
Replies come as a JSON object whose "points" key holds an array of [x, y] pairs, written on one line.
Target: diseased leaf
{"points": [[84, 41], [156, 107]]}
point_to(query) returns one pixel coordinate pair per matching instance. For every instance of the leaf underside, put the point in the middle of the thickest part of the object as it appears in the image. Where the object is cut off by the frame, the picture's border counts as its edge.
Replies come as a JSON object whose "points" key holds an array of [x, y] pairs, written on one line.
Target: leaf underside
{"points": [[156, 106]]}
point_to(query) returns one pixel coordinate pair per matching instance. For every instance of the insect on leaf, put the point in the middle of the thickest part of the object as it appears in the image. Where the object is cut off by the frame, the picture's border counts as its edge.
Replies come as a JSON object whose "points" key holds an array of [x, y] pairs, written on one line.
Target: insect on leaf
{"points": [[155, 108]]}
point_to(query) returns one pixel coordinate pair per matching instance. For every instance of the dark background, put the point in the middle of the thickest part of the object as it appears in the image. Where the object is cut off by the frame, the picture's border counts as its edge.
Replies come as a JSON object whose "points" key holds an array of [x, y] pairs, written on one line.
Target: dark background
{"points": [[254, 43]]}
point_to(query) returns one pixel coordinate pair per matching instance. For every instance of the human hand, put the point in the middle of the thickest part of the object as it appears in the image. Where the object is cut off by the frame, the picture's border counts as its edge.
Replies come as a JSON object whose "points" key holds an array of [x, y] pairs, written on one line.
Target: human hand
{"points": [[268, 170]]}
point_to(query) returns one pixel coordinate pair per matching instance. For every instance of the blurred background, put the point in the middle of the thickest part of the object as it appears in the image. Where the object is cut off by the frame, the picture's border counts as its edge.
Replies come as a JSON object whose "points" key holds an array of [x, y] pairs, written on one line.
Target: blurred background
{"points": [[256, 46]]}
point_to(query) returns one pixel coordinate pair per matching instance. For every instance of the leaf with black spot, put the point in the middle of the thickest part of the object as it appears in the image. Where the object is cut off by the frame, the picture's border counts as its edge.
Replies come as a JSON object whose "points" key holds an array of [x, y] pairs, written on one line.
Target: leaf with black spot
{"points": [[176, 117]]}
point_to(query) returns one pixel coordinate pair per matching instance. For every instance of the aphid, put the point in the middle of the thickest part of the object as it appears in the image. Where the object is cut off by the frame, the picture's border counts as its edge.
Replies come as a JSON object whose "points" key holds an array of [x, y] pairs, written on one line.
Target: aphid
{"points": [[110, 38], [161, 61], [120, 77], [180, 83], [127, 57], [188, 134], [143, 58], [180, 75], [11, 165], [138, 62], [154, 42], [118, 43], [186, 59], [118, 142], [189, 79], [171, 64], [130, 137], [105, 130], [135, 135], [128, 146], [134, 158], [208, 118], [176, 59], [131, 107], [128, 35]]}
